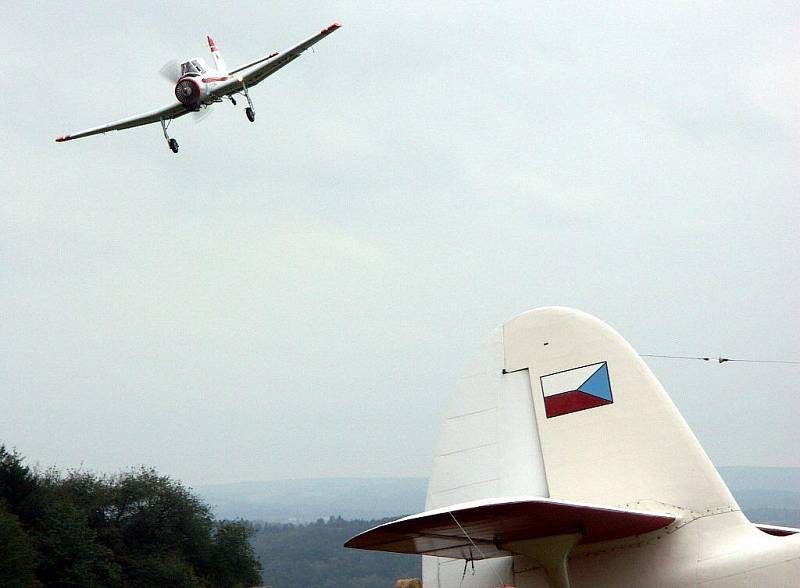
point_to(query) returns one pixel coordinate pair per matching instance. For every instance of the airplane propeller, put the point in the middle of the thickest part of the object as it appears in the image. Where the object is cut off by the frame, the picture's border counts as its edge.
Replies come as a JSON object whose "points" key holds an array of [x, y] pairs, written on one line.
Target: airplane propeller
{"points": [[171, 70]]}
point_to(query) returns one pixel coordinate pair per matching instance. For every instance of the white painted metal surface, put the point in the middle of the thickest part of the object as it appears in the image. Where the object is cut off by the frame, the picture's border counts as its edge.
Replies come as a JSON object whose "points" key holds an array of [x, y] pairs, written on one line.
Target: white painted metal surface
{"points": [[632, 451], [488, 447]]}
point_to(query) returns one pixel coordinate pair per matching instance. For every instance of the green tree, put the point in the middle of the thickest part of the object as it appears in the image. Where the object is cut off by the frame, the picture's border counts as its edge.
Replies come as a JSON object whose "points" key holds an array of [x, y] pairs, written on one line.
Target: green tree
{"points": [[163, 570], [233, 561], [134, 530], [16, 555], [68, 553], [157, 513], [18, 486]]}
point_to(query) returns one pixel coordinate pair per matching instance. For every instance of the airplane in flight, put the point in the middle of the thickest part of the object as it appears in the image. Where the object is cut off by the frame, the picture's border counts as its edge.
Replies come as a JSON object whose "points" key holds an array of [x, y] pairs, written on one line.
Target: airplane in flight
{"points": [[197, 87], [563, 463]]}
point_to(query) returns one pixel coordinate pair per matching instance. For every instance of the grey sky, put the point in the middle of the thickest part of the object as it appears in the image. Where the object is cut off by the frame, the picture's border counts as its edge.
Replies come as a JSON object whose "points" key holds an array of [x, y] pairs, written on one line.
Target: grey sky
{"points": [[296, 298]]}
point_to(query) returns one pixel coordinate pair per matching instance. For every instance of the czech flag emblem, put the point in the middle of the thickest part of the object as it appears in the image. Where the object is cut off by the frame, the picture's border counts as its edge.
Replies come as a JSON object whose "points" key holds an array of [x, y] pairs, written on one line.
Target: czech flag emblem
{"points": [[576, 389]]}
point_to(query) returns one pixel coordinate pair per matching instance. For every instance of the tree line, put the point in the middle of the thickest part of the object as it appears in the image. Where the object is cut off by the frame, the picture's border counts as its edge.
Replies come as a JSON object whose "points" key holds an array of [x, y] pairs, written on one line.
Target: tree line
{"points": [[311, 555], [135, 529]]}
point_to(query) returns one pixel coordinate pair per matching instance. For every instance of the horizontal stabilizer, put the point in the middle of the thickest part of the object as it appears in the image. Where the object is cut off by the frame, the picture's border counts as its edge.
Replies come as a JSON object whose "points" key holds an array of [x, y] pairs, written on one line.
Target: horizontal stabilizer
{"points": [[492, 523], [776, 530]]}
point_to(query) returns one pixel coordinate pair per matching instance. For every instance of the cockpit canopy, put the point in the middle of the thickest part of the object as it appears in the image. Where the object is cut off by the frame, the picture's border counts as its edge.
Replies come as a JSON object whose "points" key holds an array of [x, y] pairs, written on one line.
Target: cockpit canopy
{"points": [[193, 67]]}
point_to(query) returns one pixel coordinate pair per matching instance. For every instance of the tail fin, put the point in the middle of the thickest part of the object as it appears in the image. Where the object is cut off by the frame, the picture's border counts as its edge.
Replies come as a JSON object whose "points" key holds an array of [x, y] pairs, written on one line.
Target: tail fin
{"points": [[561, 406], [219, 63], [609, 433]]}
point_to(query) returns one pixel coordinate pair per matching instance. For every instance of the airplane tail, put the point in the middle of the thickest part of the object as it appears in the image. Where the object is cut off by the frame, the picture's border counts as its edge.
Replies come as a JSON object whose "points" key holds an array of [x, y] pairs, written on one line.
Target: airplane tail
{"points": [[561, 406], [219, 63], [558, 406], [562, 458]]}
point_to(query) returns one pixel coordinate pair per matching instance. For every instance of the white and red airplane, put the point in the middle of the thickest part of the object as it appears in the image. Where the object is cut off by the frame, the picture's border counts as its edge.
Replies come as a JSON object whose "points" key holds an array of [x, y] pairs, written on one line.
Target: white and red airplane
{"points": [[197, 87], [563, 463]]}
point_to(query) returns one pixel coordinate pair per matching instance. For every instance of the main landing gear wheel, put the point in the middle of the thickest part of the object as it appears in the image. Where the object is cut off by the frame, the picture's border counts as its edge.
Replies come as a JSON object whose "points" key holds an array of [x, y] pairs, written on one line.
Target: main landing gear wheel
{"points": [[249, 111], [173, 144]]}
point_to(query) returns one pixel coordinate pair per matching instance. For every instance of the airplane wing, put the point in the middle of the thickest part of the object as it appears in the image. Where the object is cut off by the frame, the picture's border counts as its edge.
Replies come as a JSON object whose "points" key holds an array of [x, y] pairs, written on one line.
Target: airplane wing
{"points": [[254, 72], [167, 113], [491, 524]]}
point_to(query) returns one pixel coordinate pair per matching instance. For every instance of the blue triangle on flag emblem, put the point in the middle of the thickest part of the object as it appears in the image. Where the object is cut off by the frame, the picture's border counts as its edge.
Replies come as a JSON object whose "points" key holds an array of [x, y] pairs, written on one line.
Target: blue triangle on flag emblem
{"points": [[598, 384]]}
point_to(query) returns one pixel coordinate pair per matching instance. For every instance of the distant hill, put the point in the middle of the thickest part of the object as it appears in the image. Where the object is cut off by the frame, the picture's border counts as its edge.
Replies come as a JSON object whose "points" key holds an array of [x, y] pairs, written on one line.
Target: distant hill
{"points": [[309, 551], [305, 501], [766, 494]]}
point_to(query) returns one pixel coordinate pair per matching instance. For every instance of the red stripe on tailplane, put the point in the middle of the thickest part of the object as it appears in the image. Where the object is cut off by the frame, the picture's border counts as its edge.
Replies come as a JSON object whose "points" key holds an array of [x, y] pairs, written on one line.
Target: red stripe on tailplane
{"points": [[452, 531], [571, 401]]}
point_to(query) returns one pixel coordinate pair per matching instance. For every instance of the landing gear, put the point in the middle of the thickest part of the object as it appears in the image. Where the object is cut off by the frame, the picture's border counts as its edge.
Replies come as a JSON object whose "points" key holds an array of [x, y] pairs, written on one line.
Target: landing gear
{"points": [[172, 143], [250, 111]]}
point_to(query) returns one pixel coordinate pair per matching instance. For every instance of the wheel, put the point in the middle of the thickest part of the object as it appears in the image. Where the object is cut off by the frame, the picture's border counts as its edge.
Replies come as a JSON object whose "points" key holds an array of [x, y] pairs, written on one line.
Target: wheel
{"points": [[251, 114], [173, 144]]}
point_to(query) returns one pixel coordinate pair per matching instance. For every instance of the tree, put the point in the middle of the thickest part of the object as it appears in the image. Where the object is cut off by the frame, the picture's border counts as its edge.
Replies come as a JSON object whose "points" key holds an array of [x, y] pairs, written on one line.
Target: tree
{"points": [[163, 570], [233, 561], [18, 485], [135, 529], [16, 555], [68, 553]]}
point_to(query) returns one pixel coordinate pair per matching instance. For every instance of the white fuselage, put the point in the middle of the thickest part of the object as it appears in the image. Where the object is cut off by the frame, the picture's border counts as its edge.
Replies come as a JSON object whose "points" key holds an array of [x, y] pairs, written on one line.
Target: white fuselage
{"points": [[195, 86]]}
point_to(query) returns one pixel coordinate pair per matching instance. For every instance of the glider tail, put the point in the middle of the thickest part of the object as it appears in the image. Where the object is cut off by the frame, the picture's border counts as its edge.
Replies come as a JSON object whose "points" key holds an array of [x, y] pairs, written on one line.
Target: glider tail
{"points": [[219, 63]]}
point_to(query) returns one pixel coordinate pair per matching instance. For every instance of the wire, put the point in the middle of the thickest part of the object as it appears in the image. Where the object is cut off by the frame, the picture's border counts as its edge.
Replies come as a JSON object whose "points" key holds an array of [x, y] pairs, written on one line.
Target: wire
{"points": [[478, 549], [722, 359], [675, 356]]}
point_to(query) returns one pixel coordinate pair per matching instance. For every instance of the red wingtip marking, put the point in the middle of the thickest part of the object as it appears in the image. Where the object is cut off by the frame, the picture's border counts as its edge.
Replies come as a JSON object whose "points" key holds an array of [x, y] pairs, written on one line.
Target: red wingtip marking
{"points": [[63, 138], [331, 28]]}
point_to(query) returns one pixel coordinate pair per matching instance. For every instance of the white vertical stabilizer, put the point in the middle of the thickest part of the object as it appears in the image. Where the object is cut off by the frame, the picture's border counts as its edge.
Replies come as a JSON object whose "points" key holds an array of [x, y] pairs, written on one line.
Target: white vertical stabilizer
{"points": [[609, 433], [489, 446]]}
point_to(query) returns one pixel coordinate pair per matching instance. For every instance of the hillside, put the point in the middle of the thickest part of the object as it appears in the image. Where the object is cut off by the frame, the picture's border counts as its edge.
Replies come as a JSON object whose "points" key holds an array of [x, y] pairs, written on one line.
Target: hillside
{"points": [[299, 556], [305, 501], [766, 494]]}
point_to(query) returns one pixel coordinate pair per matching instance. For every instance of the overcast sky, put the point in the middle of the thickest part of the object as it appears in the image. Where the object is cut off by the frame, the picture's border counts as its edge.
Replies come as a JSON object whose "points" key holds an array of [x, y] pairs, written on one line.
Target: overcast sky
{"points": [[296, 297]]}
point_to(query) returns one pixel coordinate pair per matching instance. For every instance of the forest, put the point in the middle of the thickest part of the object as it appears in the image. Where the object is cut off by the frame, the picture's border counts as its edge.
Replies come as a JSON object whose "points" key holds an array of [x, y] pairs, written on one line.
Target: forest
{"points": [[135, 529], [311, 555]]}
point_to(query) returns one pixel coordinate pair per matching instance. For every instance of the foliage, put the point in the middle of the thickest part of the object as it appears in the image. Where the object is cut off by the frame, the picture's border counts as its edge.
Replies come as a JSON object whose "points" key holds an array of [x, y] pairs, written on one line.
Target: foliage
{"points": [[298, 556], [135, 529], [16, 555], [233, 562], [18, 486]]}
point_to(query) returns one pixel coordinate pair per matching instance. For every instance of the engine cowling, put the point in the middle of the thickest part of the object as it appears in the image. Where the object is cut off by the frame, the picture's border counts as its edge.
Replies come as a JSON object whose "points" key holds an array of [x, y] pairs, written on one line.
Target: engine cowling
{"points": [[189, 92]]}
